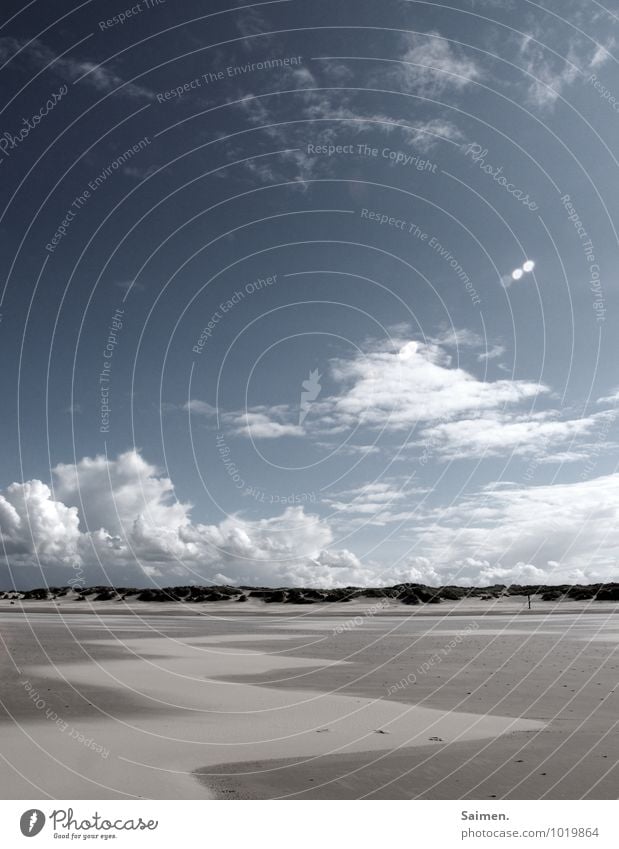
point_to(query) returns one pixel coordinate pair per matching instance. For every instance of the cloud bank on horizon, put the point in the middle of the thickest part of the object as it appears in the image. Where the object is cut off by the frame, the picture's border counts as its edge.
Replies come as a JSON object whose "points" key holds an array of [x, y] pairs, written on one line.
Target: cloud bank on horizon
{"points": [[118, 521]]}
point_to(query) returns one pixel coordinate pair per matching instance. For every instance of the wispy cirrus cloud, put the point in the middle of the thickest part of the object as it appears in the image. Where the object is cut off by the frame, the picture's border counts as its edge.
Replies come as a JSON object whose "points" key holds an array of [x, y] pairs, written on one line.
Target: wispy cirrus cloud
{"points": [[550, 72], [329, 108], [431, 65], [37, 55], [500, 434], [417, 388], [414, 382], [262, 425], [259, 422], [491, 353]]}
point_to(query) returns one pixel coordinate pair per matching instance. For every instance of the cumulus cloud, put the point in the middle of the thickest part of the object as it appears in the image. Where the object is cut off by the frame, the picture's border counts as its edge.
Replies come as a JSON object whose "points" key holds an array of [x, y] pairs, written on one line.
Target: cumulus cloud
{"points": [[613, 398], [119, 520], [114, 494], [32, 522], [416, 390], [499, 433]]}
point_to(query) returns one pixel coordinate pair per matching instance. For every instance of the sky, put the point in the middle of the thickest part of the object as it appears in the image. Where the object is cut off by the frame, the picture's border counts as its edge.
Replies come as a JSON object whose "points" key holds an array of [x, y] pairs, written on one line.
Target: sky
{"points": [[309, 294]]}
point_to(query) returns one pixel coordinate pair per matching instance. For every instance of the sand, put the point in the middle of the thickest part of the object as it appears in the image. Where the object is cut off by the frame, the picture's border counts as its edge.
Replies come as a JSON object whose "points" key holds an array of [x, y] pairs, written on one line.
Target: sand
{"points": [[346, 703]]}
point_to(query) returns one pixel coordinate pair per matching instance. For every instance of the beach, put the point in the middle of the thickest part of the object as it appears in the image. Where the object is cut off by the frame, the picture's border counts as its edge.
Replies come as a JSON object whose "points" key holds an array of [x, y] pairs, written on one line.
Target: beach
{"points": [[359, 700]]}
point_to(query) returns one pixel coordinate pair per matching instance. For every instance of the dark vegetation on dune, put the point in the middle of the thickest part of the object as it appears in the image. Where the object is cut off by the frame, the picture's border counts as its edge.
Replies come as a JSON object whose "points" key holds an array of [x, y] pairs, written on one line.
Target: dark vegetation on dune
{"points": [[412, 594]]}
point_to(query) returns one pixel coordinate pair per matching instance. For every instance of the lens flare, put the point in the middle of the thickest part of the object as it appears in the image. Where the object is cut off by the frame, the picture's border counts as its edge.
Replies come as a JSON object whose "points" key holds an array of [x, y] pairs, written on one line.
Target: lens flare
{"points": [[517, 273]]}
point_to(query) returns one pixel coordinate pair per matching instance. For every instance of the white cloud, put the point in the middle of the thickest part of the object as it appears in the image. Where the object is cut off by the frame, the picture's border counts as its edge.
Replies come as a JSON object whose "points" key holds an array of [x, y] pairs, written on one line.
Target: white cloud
{"points": [[613, 398], [449, 412], [32, 523], [415, 384], [38, 55], [521, 573], [454, 337], [377, 492], [434, 65], [491, 353], [499, 433], [114, 494], [603, 52], [570, 532], [501, 4], [395, 389], [134, 285], [119, 520], [256, 423], [259, 425], [250, 22], [372, 503], [550, 72], [333, 117], [424, 135], [560, 457], [200, 408]]}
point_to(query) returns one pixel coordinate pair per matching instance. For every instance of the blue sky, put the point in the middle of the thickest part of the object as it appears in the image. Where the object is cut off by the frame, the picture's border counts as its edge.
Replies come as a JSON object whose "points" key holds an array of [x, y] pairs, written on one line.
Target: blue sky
{"points": [[264, 318]]}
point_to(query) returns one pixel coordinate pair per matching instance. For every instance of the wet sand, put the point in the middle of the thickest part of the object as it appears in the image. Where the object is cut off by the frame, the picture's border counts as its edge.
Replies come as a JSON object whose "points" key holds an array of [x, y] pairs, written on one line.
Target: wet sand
{"points": [[348, 703]]}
